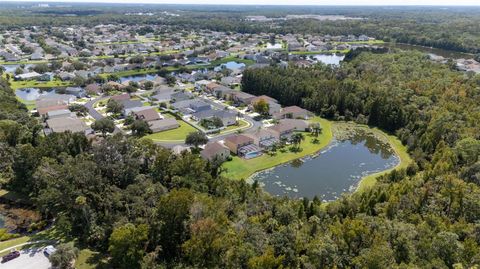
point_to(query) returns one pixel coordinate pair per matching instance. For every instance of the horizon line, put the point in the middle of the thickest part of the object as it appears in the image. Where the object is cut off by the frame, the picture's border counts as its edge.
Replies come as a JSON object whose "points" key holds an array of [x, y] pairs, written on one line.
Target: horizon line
{"points": [[132, 2]]}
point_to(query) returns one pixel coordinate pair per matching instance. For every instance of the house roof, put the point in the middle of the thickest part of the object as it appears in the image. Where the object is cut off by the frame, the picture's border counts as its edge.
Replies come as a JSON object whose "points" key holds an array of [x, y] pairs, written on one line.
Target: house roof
{"points": [[59, 125], [295, 109], [45, 110], [238, 139], [163, 123], [148, 114], [121, 97], [267, 99], [212, 149]]}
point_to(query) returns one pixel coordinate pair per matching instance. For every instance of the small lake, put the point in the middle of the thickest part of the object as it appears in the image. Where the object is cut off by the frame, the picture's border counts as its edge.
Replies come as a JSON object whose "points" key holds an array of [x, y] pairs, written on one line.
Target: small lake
{"points": [[10, 68], [230, 65], [336, 170], [32, 94], [137, 78], [434, 51], [333, 59]]}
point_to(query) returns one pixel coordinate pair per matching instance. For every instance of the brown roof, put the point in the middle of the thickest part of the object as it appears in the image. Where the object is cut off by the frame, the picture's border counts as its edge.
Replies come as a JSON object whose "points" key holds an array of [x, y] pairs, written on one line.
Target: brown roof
{"points": [[212, 85], [289, 124], [211, 149], [294, 109], [45, 110], [238, 139], [95, 88], [267, 99], [149, 114], [121, 97], [59, 125]]}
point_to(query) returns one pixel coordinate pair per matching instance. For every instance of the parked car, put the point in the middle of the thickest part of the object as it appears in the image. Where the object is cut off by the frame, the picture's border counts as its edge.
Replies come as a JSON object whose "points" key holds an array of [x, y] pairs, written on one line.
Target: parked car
{"points": [[10, 256], [49, 250]]}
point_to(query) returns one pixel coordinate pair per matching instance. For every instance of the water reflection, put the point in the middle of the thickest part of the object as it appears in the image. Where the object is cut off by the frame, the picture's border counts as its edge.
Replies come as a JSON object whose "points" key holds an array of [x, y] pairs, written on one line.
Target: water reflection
{"points": [[336, 170]]}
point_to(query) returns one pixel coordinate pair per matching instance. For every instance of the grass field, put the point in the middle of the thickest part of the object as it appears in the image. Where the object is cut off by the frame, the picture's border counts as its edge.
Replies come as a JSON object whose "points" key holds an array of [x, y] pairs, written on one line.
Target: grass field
{"points": [[175, 135], [240, 168]]}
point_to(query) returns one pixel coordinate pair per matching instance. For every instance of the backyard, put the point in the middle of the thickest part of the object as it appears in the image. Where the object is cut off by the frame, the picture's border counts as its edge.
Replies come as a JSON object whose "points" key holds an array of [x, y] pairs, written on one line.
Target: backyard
{"points": [[240, 168], [174, 135]]}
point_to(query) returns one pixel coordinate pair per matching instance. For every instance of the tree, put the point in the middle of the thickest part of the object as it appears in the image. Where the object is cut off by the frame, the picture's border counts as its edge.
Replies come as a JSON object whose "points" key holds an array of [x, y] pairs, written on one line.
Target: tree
{"points": [[127, 245], [64, 256], [297, 138], [113, 77], [196, 139], [114, 107], [104, 126], [41, 68], [148, 85], [315, 129], [140, 128], [261, 107]]}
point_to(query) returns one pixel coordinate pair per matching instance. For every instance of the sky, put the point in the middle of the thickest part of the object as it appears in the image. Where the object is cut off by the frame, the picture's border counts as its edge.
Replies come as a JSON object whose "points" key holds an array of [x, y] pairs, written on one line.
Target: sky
{"points": [[288, 2]]}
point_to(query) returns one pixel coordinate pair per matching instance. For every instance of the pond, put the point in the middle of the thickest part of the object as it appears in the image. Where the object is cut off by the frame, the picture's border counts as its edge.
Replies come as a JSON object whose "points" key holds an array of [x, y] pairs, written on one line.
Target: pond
{"points": [[138, 78], [433, 51], [336, 170], [10, 68], [230, 65], [32, 94], [333, 59]]}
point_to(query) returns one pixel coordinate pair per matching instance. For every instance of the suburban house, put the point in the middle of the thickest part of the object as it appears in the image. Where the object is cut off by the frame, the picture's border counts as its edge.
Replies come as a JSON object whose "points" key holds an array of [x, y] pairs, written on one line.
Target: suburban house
{"points": [[293, 112], [215, 151], [76, 91], [227, 117], [63, 124], [129, 104], [273, 105], [163, 125], [27, 76], [147, 114], [243, 98], [263, 138], [181, 96], [59, 113], [191, 106], [237, 141], [201, 85], [285, 128], [121, 97], [93, 88], [243, 146]]}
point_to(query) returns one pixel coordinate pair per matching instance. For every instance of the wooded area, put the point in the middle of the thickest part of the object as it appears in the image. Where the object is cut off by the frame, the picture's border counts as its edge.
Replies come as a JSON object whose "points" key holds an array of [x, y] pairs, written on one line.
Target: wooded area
{"points": [[149, 208]]}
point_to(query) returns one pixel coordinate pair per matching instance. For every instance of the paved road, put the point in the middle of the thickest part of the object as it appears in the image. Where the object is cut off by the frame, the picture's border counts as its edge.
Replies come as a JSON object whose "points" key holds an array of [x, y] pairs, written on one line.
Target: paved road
{"points": [[29, 259], [95, 114]]}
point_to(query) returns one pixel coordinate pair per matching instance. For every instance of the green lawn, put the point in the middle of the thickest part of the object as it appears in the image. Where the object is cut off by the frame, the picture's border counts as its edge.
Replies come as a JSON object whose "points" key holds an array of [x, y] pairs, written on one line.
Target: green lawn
{"points": [[240, 168], [175, 135], [241, 124]]}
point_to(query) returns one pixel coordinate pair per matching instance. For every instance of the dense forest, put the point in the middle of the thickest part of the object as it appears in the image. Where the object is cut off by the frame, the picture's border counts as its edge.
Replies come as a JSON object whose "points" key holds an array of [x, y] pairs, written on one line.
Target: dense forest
{"points": [[149, 208], [455, 28]]}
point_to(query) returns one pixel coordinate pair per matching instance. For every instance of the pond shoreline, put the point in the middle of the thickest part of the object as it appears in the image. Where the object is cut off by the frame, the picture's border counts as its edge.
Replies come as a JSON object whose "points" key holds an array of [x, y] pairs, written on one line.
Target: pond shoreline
{"points": [[340, 132]]}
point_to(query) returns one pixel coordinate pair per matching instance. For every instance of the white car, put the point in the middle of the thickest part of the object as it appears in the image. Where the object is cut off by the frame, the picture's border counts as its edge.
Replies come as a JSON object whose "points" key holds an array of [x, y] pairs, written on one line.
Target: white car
{"points": [[49, 250]]}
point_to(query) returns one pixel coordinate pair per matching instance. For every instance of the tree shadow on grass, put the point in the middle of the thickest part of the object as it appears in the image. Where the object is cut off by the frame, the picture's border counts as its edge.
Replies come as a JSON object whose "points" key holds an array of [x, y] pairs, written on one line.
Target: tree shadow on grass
{"points": [[99, 260]]}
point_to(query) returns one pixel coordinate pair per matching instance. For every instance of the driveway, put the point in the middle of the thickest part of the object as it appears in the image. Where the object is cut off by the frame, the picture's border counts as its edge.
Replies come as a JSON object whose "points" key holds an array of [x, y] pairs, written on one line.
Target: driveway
{"points": [[95, 114], [29, 259]]}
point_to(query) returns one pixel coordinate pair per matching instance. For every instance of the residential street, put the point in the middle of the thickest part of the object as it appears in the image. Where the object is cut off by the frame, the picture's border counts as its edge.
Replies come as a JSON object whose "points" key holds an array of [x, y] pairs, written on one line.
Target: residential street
{"points": [[95, 114], [29, 259]]}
